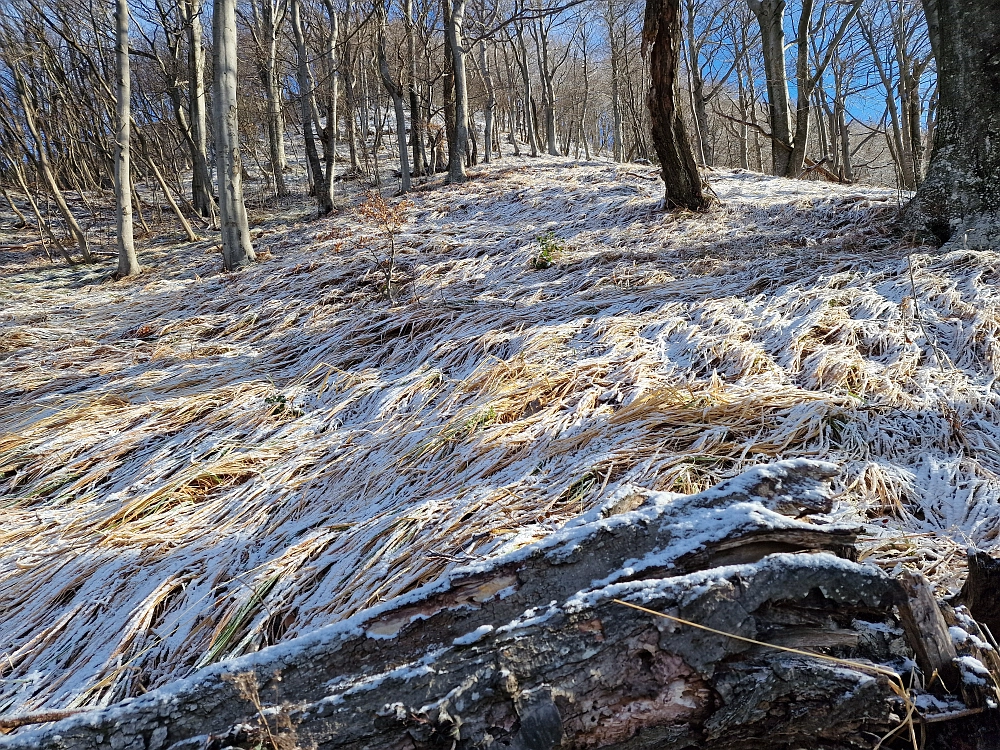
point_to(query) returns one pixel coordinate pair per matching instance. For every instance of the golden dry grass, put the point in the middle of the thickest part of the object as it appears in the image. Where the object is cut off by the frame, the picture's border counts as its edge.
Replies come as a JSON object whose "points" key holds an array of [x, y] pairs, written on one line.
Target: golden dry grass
{"points": [[194, 466]]}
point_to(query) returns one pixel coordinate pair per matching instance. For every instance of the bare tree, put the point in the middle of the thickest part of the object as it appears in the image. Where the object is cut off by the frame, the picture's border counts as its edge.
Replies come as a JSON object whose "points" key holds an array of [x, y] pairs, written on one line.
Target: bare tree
{"points": [[268, 18], [456, 41], [661, 37], [396, 93], [128, 264], [237, 250]]}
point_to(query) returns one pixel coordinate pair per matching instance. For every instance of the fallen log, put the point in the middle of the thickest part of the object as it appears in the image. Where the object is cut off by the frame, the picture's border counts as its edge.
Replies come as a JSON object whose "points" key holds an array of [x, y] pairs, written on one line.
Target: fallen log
{"points": [[531, 650]]}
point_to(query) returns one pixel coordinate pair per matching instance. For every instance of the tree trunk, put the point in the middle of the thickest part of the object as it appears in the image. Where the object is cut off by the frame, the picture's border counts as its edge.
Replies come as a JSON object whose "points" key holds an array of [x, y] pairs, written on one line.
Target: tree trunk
{"points": [[271, 21], [959, 199], [350, 96], [521, 53], [237, 250], [546, 74], [491, 101], [541, 649], [804, 85], [661, 36], [770, 16], [396, 93], [201, 178], [416, 119], [44, 168], [332, 130], [698, 99], [308, 108], [456, 40], [128, 264]]}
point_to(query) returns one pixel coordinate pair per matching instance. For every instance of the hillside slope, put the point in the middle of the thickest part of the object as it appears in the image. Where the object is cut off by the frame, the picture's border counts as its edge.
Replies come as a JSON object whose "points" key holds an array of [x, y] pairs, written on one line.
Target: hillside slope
{"points": [[194, 465]]}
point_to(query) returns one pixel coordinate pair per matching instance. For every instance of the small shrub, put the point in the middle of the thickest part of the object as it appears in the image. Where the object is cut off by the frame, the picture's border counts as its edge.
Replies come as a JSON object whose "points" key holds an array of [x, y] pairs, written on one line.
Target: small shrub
{"points": [[550, 248]]}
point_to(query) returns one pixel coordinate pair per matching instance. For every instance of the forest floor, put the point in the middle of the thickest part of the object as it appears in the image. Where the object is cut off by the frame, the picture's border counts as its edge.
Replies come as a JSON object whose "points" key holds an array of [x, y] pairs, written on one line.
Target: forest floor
{"points": [[195, 465]]}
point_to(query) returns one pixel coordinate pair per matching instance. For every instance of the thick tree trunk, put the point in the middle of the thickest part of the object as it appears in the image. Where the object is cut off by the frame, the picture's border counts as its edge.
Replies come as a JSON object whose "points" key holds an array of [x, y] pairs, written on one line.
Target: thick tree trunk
{"points": [[661, 36], [128, 263], [770, 16], [959, 200], [237, 250], [534, 650]]}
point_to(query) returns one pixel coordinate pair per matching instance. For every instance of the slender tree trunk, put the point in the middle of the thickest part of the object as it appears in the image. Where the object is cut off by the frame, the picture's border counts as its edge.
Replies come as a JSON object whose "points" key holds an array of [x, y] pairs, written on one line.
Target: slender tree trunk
{"points": [[201, 178], [237, 250], [307, 100], [616, 101], [350, 95], [522, 62], [959, 199], [128, 264], [21, 218], [491, 101], [273, 18], [548, 90], [332, 129], [416, 119], [44, 168], [396, 93], [771, 15], [457, 155], [698, 99], [803, 86], [43, 224], [661, 37]]}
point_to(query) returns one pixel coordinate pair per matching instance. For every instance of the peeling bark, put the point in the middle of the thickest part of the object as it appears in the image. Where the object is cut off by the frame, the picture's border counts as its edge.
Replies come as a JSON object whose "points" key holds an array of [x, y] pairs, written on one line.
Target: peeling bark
{"points": [[530, 651]]}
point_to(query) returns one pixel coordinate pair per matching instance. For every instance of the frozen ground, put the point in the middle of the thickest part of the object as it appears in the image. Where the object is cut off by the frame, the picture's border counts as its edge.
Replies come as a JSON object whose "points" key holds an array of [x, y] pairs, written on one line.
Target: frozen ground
{"points": [[195, 465]]}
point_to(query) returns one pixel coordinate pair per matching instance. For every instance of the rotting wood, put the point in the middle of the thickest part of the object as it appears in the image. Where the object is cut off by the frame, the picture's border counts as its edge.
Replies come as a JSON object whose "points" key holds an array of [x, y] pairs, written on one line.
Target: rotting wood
{"points": [[981, 590], [529, 651], [926, 630]]}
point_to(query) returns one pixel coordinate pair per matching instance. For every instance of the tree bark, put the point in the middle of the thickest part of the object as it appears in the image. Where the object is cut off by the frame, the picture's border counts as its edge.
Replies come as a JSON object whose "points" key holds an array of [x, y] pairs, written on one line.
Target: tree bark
{"points": [[661, 36], [457, 151], [491, 101], [310, 124], [534, 650], [416, 119], [269, 17], [959, 200], [44, 167], [237, 250], [128, 263], [521, 53], [201, 178], [396, 94], [770, 16]]}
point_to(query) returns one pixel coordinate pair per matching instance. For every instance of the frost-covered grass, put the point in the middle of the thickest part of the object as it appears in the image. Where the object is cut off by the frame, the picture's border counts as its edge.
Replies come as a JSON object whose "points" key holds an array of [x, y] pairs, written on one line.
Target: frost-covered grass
{"points": [[194, 465]]}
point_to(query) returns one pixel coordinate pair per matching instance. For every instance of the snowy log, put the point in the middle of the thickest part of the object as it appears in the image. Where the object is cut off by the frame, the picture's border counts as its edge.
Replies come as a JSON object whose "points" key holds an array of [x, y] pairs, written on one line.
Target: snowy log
{"points": [[531, 651]]}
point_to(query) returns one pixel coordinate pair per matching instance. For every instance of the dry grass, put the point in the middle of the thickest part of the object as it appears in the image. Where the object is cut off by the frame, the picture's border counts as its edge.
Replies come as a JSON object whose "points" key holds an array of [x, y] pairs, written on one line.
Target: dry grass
{"points": [[195, 466]]}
